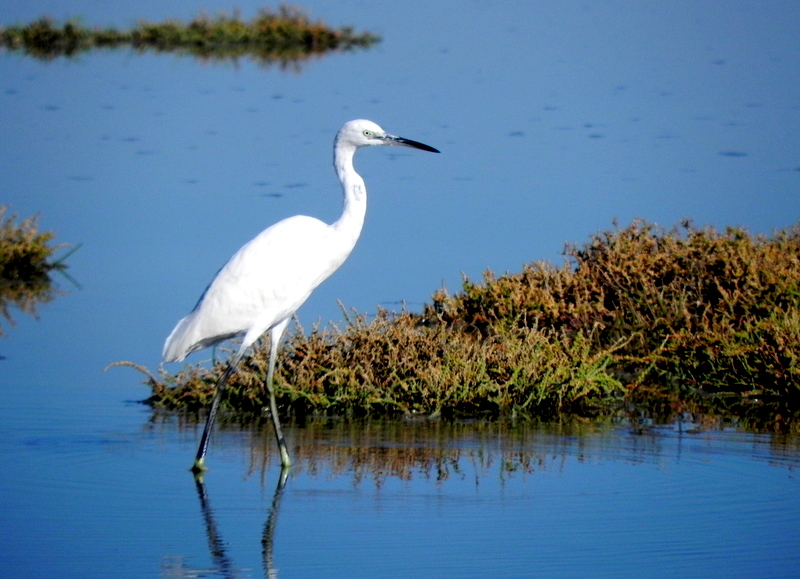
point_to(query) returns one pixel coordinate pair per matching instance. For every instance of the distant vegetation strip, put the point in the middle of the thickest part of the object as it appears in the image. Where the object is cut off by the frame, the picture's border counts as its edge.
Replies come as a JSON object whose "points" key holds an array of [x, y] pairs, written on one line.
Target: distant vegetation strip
{"points": [[25, 265], [679, 319], [285, 36]]}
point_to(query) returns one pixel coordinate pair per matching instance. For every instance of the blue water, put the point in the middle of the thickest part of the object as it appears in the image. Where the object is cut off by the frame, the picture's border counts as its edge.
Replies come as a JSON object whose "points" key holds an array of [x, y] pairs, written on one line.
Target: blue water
{"points": [[552, 118], [111, 496]]}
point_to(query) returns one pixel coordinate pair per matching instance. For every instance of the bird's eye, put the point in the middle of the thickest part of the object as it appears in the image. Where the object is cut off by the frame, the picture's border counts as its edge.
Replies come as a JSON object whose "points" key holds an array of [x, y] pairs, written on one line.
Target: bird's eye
{"points": [[367, 133]]}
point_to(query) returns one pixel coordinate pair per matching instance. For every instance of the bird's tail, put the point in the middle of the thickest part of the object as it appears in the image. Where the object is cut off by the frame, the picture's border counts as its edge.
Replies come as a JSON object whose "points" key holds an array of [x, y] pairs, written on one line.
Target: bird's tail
{"points": [[179, 343]]}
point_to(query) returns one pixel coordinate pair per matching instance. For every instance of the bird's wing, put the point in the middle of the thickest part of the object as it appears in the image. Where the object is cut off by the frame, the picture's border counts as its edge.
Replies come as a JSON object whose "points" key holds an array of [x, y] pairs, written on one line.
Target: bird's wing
{"points": [[266, 281]]}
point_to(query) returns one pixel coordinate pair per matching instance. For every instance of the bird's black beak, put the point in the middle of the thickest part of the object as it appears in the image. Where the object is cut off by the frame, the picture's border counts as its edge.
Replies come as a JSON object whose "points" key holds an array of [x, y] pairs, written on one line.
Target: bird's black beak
{"points": [[392, 140]]}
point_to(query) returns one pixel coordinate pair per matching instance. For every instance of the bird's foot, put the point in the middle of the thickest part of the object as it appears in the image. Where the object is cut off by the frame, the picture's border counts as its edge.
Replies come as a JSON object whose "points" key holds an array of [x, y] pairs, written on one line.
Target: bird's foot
{"points": [[285, 461], [199, 466]]}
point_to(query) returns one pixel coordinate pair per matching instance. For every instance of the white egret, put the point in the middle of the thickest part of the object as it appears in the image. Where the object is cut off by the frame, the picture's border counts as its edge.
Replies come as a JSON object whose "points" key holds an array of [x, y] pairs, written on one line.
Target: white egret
{"points": [[268, 279]]}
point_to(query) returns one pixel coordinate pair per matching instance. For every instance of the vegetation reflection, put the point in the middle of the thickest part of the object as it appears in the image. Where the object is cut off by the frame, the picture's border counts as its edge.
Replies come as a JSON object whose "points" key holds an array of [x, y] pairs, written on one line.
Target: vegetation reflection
{"points": [[378, 450], [285, 37]]}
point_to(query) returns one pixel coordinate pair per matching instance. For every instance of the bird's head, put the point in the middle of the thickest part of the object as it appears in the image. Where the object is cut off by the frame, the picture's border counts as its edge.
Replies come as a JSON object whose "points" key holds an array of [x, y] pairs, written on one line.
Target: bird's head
{"points": [[363, 133]]}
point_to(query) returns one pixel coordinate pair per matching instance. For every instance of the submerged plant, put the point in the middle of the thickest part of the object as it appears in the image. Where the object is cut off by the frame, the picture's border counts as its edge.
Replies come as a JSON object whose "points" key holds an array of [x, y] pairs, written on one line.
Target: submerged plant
{"points": [[285, 37], [684, 318], [25, 265]]}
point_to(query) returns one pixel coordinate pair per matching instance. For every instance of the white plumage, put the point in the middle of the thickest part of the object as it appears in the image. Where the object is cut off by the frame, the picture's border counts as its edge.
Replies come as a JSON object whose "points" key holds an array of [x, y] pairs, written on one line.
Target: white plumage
{"points": [[268, 279], [260, 285]]}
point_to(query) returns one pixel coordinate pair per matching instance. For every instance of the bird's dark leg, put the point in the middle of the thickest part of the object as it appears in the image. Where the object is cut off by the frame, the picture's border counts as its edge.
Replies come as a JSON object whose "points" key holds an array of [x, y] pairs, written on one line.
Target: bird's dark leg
{"points": [[219, 388], [268, 536], [275, 336]]}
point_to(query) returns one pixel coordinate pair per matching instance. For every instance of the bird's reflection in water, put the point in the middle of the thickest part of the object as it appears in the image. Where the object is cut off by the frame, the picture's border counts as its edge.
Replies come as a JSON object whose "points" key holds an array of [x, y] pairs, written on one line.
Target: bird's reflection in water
{"points": [[223, 565], [268, 537]]}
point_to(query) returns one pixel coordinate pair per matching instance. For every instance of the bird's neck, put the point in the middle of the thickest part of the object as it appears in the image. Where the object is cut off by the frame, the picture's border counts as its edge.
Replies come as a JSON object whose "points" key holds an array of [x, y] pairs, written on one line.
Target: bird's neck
{"points": [[355, 194]]}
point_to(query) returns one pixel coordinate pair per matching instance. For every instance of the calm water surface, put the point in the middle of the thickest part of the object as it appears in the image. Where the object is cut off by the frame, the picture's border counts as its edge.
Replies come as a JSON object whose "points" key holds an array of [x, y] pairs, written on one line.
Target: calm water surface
{"points": [[112, 496], [109, 494], [553, 118]]}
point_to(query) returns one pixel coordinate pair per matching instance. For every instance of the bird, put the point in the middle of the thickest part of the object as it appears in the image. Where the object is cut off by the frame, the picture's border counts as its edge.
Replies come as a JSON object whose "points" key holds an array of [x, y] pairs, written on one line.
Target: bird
{"points": [[261, 287]]}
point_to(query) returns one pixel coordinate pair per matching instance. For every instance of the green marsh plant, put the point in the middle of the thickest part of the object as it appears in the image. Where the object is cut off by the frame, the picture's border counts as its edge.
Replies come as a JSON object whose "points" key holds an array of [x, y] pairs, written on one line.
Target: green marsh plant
{"points": [[684, 319], [25, 265]]}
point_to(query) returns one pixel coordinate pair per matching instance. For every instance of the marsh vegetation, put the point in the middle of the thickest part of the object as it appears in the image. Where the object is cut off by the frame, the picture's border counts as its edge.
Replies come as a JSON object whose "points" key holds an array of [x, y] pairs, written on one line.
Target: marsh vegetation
{"points": [[25, 266], [285, 37], [685, 319]]}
